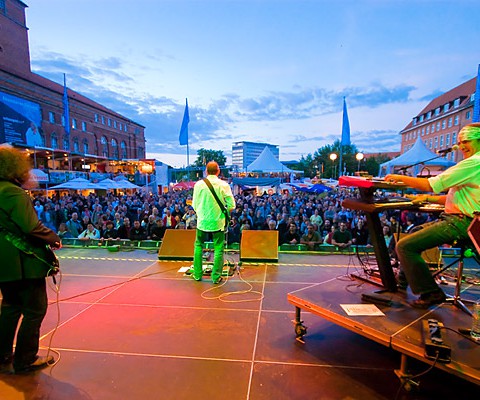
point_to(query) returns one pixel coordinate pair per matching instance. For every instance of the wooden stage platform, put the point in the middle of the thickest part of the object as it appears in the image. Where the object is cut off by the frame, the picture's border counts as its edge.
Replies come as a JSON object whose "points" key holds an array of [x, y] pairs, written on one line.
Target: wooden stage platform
{"points": [[399, 329]]}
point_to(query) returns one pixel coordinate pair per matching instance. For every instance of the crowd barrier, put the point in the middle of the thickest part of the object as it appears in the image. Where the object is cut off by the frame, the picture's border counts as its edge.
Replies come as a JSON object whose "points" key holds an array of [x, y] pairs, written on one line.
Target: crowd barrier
{"points": [[125, 244]]}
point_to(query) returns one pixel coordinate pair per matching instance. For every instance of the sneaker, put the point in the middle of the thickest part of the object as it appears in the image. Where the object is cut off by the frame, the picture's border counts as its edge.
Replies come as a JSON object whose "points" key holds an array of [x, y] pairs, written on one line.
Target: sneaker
{"points": [[429, 299], [39, 363], [218, 281]]}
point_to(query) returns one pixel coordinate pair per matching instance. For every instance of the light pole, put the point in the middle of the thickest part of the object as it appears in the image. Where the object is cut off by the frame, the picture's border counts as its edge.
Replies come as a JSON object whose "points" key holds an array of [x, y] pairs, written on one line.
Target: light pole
{"points": [[333, 157], [359, 157]]}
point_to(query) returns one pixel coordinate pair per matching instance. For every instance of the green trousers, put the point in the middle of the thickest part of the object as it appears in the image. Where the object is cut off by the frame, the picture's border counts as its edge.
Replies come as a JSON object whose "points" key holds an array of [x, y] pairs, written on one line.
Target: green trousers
{"points": [[218, 247]]}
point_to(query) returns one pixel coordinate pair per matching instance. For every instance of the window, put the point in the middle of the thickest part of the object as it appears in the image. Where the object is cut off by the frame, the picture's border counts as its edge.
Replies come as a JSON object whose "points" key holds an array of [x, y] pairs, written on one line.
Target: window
{"points": [[120, 126], [415, 121], [447, 140], [85, 146], [115, 124], [51, 117], [140, 153], [96, 118], [435, 145], [104, 143], [74, 123], [446, 107], [109, 122], [441, 141], [423, 131], [76, 146], [444, 123], [125, 128], [84, 126], [2, 6], [103, 120], [421, 118], [437, 111], [429, 115], [456, 103], [468, 114], [427, 130], [66, 143], [454, 137], [54, 140], [123, 147], [450, 122], [114, 149], [430, 144], [456, 120], [438, 126]]}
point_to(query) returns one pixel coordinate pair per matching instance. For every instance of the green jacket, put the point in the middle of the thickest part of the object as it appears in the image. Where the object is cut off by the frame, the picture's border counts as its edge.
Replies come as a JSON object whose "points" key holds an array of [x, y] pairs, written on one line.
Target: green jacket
{"points": [[18, 215]]}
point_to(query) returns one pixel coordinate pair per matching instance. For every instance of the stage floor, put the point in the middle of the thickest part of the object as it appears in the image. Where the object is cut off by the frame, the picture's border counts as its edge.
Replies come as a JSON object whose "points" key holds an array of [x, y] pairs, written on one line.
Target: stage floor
{"points": [[127, 326]]}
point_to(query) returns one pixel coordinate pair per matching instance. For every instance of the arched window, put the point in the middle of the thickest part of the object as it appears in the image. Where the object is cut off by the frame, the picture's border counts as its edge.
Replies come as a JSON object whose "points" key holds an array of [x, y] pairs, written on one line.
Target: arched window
{"points": [[54, 140], [66, 143], [76, 146], [141, 153], [114, 144], [85, 146], [123, 147], [104, 143]]}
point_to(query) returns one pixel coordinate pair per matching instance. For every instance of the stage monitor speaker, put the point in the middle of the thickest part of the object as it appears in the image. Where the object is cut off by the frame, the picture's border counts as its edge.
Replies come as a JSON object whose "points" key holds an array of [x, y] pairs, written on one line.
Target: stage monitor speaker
{"points": [[259, 246], [177, 244]]}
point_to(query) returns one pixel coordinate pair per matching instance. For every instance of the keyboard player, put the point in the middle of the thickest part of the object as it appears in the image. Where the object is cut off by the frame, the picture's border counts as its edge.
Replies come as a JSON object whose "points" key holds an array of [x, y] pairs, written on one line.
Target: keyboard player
{"points": [[461, 183]]}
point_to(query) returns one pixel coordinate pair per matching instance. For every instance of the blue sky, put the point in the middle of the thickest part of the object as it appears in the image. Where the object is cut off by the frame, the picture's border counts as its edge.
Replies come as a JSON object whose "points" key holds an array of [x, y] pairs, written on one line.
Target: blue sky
{"points": [[271, 71]]}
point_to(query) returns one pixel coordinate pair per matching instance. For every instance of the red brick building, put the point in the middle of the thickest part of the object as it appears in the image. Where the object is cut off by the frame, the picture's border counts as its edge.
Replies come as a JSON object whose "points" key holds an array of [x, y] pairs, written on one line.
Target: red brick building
{"points": [[31, 102], [440, 121]]}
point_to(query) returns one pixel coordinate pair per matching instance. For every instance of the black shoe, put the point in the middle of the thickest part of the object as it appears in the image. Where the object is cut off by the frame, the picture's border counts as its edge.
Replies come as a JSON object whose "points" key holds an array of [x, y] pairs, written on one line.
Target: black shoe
{"points": [[39, 363], [429, 299], [218, 281], [6, 368]]}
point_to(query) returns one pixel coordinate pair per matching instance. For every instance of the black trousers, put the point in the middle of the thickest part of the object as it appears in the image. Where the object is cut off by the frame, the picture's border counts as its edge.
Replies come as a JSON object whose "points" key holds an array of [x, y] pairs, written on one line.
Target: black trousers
{"points": [[27, 298]]}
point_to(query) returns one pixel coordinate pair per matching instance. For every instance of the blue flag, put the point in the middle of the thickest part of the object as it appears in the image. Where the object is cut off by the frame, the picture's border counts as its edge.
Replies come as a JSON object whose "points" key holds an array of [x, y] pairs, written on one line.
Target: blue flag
{"points": [[345, 126], [183, 138], [66, 111], [476, 104]]}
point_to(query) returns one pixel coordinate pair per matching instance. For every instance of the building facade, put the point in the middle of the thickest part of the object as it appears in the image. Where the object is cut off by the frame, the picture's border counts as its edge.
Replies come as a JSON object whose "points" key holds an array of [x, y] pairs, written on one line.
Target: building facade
{"points": [[244, 153], [440, 121], [33, 110]]}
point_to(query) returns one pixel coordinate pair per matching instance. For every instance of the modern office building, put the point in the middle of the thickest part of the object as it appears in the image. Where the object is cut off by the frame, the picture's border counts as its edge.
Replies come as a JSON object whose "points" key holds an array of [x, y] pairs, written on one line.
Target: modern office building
{"points": [[244, 153], [440, 121], [33, 110]]}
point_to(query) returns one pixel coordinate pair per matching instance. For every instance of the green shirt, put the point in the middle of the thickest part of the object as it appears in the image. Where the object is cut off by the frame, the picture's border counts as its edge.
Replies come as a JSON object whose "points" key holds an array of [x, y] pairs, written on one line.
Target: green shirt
{"points": [[210, 217]]}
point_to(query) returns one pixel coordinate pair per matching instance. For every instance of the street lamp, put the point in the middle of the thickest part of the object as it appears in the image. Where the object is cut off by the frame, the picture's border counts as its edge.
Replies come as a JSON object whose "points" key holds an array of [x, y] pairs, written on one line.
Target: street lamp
{"points": [[333, 157], [359, 157]]}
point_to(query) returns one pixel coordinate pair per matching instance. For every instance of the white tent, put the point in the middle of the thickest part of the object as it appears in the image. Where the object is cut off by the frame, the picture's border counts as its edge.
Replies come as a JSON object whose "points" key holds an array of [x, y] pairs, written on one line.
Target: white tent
{"points": [[266, 162], [76, 184], [418, 153]]}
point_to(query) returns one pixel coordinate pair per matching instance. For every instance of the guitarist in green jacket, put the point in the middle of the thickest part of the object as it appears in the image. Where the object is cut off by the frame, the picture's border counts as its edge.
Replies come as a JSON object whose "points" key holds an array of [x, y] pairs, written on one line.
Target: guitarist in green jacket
{"points": [[24, 266]]}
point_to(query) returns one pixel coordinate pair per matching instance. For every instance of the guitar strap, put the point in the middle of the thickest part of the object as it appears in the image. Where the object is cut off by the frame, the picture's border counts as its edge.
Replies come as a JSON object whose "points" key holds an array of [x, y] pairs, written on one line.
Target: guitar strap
{"points": [[220, 204]]}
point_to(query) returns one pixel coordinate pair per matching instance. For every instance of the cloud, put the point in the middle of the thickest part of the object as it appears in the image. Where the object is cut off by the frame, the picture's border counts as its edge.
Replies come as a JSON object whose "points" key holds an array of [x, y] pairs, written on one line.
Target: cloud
{"points": [[105, 82]]}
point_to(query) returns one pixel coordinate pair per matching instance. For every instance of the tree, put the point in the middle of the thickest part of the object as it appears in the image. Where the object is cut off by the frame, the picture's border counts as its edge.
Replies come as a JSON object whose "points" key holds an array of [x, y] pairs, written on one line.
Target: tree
{"points": [[204, 156]]}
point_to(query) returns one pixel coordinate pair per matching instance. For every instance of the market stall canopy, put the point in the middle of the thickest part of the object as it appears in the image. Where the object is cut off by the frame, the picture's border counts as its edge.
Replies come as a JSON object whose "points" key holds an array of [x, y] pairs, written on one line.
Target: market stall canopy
{"points": [[266, 162], [76, 184], [39, 175], [125, 184], [316, 188], [184, 185], [419, 152]]}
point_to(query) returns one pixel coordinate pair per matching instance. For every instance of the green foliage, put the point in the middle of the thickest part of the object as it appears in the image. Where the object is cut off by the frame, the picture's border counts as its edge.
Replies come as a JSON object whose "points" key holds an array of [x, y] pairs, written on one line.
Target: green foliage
{"points": [[204, 156], [320, 165]]}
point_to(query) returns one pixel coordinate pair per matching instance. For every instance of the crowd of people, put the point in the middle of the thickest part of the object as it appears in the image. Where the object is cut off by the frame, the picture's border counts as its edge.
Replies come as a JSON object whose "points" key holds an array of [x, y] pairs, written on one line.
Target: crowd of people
{"points": [[299, 218]]}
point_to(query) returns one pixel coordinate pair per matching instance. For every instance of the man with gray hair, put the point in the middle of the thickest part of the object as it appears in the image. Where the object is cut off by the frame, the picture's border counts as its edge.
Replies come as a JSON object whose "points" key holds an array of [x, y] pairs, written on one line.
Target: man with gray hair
{"points": [[462, 184]]}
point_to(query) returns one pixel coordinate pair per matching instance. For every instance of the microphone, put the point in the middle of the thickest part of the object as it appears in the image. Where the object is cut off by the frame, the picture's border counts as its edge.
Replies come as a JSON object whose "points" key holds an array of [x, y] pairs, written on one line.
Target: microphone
{"points": [[448, 150]]}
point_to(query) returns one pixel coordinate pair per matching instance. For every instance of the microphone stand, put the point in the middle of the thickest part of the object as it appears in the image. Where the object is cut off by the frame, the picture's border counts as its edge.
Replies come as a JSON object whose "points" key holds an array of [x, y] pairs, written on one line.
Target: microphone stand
{"points": [[403, 170]]}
